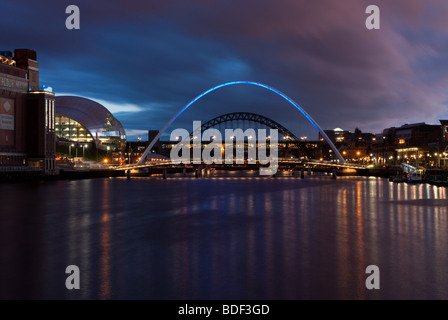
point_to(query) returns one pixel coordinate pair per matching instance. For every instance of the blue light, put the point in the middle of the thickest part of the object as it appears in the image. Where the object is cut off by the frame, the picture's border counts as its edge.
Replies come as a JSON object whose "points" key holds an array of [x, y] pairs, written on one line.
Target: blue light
{"points": [[284, 96]]}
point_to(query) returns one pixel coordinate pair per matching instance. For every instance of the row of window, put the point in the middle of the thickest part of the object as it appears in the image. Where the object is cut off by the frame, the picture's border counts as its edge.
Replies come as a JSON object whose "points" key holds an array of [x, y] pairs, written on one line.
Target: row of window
{"points": [[71, 130], [12, 160], [49, 114]]}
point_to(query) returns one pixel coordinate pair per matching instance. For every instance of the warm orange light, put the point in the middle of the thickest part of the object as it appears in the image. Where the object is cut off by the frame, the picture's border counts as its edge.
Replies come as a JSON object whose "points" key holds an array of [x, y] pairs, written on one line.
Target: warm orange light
{"points": [[105, 160], [358, 153], [344, 152]]}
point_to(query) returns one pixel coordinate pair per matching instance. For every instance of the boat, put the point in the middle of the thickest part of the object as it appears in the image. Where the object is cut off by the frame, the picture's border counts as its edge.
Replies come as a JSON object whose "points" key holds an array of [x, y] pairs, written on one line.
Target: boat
{"points": [[414, 177], [399, 179]]}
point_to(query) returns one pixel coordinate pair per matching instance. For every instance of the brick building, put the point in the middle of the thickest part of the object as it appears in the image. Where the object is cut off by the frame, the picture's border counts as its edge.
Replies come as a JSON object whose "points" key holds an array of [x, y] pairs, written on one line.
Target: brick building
{"points": [[26, 114]]}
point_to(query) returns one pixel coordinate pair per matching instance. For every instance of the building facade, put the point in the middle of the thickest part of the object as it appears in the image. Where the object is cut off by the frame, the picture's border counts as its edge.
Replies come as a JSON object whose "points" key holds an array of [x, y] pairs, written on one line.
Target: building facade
{"points": [[354, 146], [27, 138], [80, 120]]}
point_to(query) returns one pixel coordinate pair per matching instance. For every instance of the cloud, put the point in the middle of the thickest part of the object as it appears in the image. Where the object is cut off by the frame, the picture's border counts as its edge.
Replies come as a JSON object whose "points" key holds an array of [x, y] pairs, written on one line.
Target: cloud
{"points": [[116, 108], [132, 134], [150, 59], [113, 107]]}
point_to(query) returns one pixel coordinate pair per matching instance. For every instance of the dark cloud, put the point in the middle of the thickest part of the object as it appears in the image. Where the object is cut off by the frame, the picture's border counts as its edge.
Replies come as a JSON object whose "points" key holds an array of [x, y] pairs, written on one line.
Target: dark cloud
{"points": [[158, 55]]}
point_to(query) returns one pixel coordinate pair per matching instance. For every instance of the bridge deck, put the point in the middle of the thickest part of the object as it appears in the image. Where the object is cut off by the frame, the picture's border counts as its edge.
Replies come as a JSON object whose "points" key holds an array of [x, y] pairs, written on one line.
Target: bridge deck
{"points": [[280, 161]]}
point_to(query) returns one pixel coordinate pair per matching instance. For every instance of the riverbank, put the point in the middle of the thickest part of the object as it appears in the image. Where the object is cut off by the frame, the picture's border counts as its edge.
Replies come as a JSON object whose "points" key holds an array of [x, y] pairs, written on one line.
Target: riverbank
{"points": [[29, 176], [434, 177]]}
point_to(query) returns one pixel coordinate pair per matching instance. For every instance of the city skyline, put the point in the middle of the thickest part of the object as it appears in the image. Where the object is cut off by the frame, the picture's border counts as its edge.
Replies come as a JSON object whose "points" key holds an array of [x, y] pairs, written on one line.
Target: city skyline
{"points": [[147, 61]]}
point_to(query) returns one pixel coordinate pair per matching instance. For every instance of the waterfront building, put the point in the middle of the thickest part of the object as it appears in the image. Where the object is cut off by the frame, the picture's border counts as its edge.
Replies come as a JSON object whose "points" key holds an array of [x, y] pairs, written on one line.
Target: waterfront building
{"points": [[80, 120], [27, 140], [419, 143], [354, 146], [134, 151]]}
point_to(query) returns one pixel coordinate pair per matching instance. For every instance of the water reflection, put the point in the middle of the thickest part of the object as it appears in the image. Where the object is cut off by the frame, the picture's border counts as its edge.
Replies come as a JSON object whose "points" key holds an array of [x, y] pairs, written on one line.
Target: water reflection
{"points": [[232, 238], [105, 243]]}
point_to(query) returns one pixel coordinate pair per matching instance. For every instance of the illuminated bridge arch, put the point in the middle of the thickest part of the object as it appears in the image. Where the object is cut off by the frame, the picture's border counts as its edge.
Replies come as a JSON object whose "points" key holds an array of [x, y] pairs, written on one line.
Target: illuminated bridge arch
{"points": [[247, 116], [284, 96]]}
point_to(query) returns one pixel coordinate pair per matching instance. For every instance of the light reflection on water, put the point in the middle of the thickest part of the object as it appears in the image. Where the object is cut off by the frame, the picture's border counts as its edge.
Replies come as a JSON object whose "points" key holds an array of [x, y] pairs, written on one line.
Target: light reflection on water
{"points": [[224, 237]]}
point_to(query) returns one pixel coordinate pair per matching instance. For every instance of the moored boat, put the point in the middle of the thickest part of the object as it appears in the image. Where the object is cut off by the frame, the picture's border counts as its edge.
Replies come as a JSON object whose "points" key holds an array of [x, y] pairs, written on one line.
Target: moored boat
{"points": [[414, 177]]}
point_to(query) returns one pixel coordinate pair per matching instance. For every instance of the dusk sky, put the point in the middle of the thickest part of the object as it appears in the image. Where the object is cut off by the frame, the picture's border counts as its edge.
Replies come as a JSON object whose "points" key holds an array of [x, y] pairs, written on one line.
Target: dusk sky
{"points": [[145, 60]]}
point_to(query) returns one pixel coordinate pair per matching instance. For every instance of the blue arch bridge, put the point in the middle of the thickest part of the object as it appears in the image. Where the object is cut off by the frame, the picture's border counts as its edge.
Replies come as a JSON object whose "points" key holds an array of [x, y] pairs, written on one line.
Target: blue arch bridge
{"points": [[259, 120]]}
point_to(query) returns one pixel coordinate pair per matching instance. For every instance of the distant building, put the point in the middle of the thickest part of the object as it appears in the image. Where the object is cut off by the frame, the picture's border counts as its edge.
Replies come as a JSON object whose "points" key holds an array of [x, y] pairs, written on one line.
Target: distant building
{"points": [[134, 151], [417, 143], [444, 124], [353, 146], [417, 134], [157, 148]]}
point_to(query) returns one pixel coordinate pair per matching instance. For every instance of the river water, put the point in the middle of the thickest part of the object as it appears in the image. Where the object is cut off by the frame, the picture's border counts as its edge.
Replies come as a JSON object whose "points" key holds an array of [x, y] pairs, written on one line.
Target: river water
{"points": [[230, 236]]}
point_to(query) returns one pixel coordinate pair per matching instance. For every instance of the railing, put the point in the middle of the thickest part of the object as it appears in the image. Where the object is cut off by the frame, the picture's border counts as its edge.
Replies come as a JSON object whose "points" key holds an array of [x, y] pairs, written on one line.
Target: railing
{"points": [[18, 168], [408, 168], [280, 160]]}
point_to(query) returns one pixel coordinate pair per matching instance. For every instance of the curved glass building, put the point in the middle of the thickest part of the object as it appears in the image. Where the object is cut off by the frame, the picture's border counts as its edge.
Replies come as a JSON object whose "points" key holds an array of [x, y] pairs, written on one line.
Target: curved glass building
{"points": [[80, 120]]}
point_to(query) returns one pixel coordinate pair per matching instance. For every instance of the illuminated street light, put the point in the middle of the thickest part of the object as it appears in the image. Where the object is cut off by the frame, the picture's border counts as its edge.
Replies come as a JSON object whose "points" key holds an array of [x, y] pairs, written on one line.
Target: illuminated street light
{"points": [[83, 150]]}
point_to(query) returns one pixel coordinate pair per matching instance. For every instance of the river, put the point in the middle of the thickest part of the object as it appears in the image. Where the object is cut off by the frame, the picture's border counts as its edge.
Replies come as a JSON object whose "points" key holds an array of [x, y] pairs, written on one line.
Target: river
{"points": [[229, 236]]}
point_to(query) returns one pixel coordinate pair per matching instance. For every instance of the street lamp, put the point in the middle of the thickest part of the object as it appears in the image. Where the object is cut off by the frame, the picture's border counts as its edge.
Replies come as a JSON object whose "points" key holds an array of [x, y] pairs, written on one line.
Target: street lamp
{"points": [[83, 150], [445, 153], [70, 149]]}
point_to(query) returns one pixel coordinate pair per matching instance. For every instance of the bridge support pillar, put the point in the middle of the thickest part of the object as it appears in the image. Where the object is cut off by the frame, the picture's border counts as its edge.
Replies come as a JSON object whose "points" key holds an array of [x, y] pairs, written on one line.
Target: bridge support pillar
{"points": [[335, 173], [164, 174], [302, 173], [309, 171], [128, 174]]}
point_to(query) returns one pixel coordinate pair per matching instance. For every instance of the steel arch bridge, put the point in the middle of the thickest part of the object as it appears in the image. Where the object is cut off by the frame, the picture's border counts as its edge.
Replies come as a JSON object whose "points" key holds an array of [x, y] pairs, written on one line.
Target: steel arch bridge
{"points": [[247, 116], [257, 84]]}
